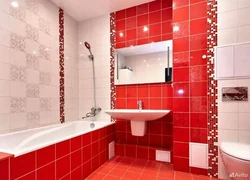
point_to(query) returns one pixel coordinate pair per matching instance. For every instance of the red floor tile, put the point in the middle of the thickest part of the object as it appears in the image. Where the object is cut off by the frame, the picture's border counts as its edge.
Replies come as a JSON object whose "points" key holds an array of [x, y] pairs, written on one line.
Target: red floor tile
{"points": [[131, 175], [125, 168]]}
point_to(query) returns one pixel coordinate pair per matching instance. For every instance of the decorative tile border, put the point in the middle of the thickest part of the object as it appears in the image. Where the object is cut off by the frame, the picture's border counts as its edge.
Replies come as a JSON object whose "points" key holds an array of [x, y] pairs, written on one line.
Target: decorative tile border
{"points": [[112, 62], [212, 90], [61, 65]]}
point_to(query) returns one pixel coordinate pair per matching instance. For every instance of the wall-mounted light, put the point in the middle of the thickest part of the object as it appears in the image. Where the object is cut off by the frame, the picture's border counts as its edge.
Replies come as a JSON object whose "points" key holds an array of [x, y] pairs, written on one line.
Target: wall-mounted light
{"points": [[121, 34], [14, 4], [176, 28], [145, 28]]}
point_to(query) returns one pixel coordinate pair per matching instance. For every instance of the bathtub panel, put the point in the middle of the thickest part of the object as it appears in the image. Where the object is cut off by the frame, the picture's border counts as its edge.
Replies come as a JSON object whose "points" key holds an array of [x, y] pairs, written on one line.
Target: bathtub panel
{"points": [[95, 148], [76, 143], [45, 156], [86, 153], [47, 172], [62, 167], [86, 139], [86, 169], [95, 135], [62, 149], [22, 165], [29, 176], [95, 162], [4, 169], [76, 159], [77, 174]]}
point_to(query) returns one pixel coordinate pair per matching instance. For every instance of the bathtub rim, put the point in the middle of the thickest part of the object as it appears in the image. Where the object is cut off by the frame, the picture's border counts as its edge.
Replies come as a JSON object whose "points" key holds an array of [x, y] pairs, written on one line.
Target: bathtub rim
{"points": [[41, 146]]}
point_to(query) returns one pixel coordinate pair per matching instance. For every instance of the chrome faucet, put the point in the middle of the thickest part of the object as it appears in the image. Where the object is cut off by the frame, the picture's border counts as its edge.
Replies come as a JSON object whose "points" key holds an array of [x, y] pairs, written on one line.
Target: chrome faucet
{"points": [[139, 104]]}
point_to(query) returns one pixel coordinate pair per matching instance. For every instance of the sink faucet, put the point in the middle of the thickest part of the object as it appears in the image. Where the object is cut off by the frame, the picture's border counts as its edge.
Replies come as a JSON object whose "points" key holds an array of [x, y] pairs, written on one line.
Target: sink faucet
{"points": [[139, 104]]}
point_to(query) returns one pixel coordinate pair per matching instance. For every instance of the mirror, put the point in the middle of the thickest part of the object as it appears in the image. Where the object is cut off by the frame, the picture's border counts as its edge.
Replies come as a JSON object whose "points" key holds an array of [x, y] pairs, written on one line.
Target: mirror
{"points": [[148, 63]]}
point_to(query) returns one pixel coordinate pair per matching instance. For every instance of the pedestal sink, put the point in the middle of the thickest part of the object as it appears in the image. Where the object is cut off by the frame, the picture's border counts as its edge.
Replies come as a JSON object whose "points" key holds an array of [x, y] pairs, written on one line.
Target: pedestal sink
{"points": [[138, 118]]}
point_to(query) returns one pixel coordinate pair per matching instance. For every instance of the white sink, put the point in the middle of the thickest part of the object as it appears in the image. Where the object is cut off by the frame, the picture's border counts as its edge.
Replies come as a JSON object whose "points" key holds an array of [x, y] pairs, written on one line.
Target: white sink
{"points": [[137, 118]]}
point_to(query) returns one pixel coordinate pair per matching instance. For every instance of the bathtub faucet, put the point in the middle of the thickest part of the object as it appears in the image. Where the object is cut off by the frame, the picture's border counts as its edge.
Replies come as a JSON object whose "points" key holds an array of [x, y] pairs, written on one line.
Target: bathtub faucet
{"points": [[93, 112]]}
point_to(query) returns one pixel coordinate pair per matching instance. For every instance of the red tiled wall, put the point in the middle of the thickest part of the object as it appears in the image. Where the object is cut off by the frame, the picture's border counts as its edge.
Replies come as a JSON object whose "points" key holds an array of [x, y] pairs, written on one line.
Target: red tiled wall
{"points": [[74, 159], [156, 16], [190, 75], [159, 132]]}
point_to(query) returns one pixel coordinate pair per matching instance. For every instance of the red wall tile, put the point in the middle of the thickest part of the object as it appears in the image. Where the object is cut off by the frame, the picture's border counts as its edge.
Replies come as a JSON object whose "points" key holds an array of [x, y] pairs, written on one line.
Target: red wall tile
{"points": [[198, 26], [196, 57], [181, 134], [181, 14], [199, 120], [181, 119], [198, 10], [181, 164], [181, 45], [182, 149]]}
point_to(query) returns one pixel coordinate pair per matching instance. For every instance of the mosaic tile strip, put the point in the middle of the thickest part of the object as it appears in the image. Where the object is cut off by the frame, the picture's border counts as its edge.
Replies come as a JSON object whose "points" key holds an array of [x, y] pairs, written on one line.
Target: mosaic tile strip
{"points": [[212, 90], [112, 62], [61, 65]]}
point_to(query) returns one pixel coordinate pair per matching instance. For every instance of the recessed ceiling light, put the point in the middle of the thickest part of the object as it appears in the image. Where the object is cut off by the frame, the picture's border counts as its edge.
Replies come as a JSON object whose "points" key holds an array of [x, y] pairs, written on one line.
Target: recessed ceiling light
{"points": [[80, 43], [47, 49], [34, 52], [14, 4]]}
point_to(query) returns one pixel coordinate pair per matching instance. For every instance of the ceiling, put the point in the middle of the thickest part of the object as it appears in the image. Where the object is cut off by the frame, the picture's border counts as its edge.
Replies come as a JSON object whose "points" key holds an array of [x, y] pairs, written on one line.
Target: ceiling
{"points": [[85, 9]]}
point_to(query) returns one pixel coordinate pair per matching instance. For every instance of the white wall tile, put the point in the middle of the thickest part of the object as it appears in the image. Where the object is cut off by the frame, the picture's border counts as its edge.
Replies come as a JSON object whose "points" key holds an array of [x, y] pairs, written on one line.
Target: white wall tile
{"points": [[4, 105], [17, 26], [244, 137], [242, 14], [18, 121], [227, 19], [4, 20], [4, 6], [17, 57], [4, 88], [5, 54], [224, 6], [228, 120], [243, 3], [243, 33], [228, 135], [5, 122], [244, 121], [227, 106], [33, 104], [227, 36], [4, 37], [45, 117], [32, 76], [17, 89]]}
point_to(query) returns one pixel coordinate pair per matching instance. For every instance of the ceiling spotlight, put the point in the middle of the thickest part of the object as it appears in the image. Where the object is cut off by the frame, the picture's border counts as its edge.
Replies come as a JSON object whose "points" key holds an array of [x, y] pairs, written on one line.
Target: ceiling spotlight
{"points": [[145, 28], [34, 52], [80, 43], [47, 49], [14, 4]]}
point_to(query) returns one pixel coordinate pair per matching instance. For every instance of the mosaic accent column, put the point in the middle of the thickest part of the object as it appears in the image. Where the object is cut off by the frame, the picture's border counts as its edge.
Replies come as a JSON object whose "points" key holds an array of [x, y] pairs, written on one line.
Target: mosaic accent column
{"points": [[61, 65], [212, 90], [112, 62]]}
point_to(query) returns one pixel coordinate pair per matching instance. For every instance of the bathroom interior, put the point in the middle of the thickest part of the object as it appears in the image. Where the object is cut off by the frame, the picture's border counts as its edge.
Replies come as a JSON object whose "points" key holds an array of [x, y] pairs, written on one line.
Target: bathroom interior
{"points": [[128, 89]]}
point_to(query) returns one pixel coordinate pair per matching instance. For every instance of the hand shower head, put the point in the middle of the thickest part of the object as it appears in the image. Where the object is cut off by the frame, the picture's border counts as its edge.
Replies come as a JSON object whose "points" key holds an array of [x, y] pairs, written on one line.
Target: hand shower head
{"points": [[87, 45], [91, 56]]}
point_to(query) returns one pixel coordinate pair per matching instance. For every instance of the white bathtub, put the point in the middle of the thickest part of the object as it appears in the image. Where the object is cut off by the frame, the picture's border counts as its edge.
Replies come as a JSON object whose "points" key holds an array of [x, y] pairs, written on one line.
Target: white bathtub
{"points": [[22, 142]]}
